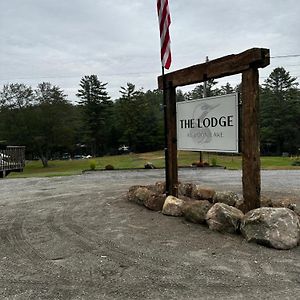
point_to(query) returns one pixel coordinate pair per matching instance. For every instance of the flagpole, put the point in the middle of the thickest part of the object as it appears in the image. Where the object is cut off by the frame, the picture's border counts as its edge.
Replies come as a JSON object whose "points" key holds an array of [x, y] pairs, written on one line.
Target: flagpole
{"points": [[164, 23], [165, 131]]}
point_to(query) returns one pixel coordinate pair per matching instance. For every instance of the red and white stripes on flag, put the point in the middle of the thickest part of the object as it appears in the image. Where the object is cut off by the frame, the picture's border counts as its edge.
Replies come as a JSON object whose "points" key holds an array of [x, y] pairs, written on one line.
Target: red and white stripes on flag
{"points": [[164, 23]]}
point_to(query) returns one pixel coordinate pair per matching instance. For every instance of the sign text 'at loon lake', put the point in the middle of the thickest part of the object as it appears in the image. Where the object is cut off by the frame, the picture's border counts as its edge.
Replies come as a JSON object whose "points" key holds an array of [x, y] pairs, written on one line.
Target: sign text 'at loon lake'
{"points": [[209, 124]]}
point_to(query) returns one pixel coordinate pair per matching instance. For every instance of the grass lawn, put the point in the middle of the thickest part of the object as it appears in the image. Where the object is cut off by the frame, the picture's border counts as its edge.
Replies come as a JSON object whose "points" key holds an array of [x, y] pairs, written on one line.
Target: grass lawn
{"points": [[73, 167]]}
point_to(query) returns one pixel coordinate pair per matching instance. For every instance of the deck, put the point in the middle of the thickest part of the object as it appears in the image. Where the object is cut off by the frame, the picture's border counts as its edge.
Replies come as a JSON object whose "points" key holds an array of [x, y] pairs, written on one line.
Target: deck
{"points": [[12, 159]]}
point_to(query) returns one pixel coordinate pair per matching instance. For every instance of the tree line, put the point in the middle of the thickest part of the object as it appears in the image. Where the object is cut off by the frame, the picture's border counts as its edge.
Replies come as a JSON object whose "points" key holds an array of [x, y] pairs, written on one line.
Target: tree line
{"points": [[48, 124]]}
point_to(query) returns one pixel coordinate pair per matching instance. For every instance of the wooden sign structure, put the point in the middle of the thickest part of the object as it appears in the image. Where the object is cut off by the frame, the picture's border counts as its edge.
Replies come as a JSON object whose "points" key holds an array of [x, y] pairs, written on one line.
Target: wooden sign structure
{"points": [[246, 63]]}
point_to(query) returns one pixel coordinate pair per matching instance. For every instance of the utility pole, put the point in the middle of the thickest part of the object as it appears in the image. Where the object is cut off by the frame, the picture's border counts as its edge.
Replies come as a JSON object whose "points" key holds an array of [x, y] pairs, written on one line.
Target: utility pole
{"points": [[204, 96], [205, 82]]}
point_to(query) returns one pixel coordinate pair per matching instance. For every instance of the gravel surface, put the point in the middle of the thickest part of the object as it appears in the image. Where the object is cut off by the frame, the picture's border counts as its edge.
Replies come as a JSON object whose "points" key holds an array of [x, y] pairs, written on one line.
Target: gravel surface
{"points": [[78, 238]]}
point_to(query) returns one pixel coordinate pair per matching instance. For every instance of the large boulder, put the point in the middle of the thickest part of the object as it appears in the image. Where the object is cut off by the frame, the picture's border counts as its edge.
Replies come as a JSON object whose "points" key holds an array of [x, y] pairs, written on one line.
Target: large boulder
{"points": [[274, 227], [240, 204], [227, 197], [186, 199], [195, 211], [160, 187], [202, 193], [147, 196], [138, 194], [155, 201], [266, 202], [297, 210], [288, 203], [149, 165], [173, 206], [186, 189], [224, 218]]}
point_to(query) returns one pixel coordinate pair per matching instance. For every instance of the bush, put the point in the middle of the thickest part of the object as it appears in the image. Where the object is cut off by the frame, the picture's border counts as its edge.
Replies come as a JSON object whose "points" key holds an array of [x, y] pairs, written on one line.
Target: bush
{"points": [[296, 163], [109, 167], [214, 161], [93, 165]]}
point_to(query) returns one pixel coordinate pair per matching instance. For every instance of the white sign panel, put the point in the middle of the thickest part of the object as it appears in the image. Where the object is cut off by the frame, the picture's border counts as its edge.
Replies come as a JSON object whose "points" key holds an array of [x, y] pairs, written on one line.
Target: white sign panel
{"points": [[208, 124]]}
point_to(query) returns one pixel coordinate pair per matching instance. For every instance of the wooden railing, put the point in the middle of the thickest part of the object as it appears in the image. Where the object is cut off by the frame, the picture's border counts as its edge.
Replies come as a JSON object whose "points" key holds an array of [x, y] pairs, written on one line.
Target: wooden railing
{"points": [[12, 159]]}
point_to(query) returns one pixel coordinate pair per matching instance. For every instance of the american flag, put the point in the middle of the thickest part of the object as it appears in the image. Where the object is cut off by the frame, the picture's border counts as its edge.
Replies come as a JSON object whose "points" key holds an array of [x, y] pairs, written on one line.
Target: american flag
{"points": [[164, 23]]}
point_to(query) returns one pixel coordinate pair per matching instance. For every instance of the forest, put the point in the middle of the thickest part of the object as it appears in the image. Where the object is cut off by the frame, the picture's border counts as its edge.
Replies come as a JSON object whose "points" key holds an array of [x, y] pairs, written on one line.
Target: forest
{"points": [[51, 126]]}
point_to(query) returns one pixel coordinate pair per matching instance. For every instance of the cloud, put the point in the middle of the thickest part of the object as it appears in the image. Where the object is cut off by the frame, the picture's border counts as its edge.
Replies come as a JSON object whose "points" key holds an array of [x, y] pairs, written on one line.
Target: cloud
{"points": [[61, 41]]}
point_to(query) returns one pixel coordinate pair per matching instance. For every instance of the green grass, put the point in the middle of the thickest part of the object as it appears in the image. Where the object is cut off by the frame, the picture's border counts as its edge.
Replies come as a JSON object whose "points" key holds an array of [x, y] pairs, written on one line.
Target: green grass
{"points": [[133, 161]]}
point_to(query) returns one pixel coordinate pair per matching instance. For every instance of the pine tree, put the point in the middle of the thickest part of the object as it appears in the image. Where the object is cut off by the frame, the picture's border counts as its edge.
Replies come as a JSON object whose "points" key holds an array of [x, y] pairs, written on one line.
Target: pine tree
{"points": [[280, 112], [200, 91], [129, 114], [226, 89], [96, 104]]}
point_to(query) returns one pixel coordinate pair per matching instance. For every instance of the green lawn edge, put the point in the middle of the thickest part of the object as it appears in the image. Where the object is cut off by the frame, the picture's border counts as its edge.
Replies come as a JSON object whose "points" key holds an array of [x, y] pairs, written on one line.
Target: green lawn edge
{"points": [[138, 160]]}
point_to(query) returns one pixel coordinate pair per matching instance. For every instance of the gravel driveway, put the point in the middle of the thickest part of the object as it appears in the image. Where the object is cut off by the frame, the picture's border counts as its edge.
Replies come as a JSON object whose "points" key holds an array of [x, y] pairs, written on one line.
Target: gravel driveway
{"points": [[78, 238]]}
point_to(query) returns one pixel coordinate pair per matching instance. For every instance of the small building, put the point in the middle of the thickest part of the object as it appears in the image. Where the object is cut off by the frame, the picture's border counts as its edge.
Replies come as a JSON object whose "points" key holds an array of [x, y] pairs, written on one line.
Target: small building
{"points": [[12, 159]]}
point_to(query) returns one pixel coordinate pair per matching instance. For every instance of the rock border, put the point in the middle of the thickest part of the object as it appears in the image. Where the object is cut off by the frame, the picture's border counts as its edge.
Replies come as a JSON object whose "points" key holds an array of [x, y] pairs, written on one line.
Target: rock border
{"points": [[276, 224]]}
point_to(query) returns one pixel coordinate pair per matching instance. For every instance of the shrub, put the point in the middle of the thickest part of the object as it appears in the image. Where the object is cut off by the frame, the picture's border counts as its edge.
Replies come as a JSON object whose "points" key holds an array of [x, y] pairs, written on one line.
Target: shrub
{"points": [[296, 163], [93, 165], [109, 167], [214, 161]]}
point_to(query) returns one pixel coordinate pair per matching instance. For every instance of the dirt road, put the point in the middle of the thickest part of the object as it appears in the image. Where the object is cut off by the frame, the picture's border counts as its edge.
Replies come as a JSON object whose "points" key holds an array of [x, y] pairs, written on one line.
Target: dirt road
{"points": [[77, 238]]}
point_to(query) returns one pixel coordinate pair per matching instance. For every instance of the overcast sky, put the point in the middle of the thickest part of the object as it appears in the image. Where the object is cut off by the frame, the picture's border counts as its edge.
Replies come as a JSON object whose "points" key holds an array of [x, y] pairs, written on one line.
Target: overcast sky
{"points": [[62, 40]]}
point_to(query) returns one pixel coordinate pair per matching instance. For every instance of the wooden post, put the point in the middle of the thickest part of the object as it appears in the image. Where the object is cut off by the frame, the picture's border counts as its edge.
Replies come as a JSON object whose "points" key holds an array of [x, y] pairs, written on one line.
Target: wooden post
{"points": [[250, 139], [171, 159], [247, 63]]}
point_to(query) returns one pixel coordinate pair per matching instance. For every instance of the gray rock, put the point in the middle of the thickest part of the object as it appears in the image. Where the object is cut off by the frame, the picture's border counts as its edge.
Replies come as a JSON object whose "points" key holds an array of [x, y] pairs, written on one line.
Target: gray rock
{"points": [[201, 193], [185, 199], [151, 187], [287, 203], [227, 197], [155, 201], [173, 206], [139, 194], [186, 189], [147, 196], [149, 165], [195, 211], [240, 204], [297, 210], [273, 227], [224, 218], [265, 202], [160, 187]]}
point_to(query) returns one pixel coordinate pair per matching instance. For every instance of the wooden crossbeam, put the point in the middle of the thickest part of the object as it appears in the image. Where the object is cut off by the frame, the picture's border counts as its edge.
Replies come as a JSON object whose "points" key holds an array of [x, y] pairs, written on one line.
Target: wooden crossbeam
{"points": [[217, 68]]}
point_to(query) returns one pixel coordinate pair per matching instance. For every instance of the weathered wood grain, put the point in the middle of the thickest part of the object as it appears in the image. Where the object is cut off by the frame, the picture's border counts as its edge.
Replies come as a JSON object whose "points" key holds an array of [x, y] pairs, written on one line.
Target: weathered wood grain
{"points": [[250, 139], [217, 68]]}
